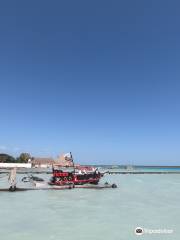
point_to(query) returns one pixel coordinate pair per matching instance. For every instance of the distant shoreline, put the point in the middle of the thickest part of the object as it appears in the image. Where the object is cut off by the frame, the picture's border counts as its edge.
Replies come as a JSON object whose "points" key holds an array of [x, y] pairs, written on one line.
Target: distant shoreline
{"points": [[157, 166], [141, 166]]}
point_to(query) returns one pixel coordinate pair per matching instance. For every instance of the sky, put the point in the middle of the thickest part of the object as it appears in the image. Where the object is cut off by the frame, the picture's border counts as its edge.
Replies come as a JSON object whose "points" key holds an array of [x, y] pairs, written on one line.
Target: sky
{"points": [[98, 78]]}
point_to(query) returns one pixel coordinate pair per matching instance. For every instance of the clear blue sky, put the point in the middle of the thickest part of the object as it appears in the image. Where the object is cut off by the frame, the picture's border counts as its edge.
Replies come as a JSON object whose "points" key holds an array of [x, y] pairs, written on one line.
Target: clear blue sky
{"points": [[98, 78]]}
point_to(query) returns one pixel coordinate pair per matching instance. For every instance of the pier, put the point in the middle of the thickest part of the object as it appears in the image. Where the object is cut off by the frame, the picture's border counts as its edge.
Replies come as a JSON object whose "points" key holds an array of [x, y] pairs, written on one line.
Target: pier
{"points": [[143, 172]]}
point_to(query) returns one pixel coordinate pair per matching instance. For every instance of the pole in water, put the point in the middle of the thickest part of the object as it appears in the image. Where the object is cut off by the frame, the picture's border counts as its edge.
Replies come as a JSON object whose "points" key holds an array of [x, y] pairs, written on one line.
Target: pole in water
{"points": [[12, 180]]}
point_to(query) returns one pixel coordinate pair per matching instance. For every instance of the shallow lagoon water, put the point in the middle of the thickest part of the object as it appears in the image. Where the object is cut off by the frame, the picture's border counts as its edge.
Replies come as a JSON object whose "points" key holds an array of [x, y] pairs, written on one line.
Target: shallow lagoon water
{"points": [[148, 201]]}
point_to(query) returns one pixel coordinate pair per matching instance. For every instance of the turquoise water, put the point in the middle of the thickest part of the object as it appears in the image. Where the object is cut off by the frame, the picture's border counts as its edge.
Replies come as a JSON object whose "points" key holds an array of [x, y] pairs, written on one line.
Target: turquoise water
{"points": [[149, 201]]}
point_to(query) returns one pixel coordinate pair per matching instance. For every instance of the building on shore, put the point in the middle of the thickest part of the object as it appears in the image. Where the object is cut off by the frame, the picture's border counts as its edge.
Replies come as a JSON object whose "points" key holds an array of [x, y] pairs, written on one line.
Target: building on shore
{"points": [[42, 162], [65, 160]]}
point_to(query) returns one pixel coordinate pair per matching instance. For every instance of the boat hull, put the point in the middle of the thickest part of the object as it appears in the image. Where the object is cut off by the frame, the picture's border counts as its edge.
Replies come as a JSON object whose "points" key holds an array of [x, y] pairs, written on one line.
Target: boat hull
{"points": [[63, 178]]}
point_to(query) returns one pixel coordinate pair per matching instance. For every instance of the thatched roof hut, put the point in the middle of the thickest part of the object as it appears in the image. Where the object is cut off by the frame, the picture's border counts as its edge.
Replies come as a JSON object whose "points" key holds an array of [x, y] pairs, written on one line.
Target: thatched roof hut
{"points": [[42, 162]]}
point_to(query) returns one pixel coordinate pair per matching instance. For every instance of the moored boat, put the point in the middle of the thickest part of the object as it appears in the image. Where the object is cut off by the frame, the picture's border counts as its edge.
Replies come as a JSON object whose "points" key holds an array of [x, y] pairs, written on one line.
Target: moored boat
{"points": [[66, 172], [78, 175]]}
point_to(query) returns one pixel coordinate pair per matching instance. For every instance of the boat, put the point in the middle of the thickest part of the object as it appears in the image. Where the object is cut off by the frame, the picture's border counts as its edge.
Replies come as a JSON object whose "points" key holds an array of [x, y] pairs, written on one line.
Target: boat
{"points": [[66, 172], [79, 175]]}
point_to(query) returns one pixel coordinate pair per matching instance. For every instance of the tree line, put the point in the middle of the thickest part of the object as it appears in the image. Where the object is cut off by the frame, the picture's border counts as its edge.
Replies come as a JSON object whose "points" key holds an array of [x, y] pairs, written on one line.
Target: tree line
{"points": [[22, 158]]}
